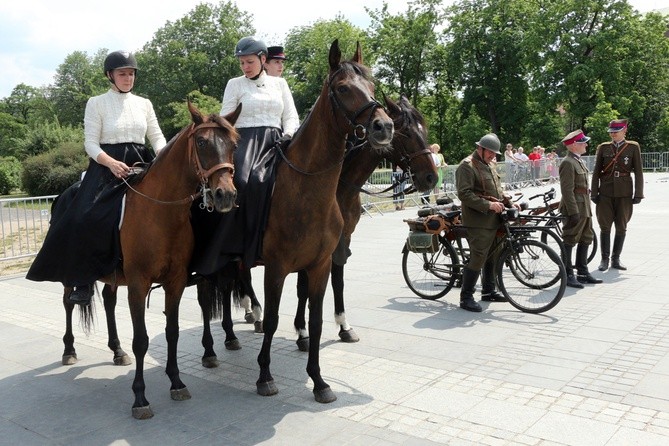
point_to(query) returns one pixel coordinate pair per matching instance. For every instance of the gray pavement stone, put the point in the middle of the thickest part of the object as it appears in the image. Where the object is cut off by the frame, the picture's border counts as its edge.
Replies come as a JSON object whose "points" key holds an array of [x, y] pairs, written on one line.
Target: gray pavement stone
{"points": [[595, 367]]}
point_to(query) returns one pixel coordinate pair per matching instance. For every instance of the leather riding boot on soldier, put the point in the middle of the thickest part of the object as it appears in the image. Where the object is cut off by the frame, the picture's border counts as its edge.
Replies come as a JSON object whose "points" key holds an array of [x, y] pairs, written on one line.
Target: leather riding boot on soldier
{"points": [[582, 273], [605, 241], [82, 295], [571, 279], [488, 292], [467, 302], [618, 242]]}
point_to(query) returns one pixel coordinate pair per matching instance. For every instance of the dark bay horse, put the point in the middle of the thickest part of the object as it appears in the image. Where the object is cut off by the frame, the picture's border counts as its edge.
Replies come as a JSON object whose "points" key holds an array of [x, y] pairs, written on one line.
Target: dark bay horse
{"points": [[157, 239], [410, 150], [305, 223]]}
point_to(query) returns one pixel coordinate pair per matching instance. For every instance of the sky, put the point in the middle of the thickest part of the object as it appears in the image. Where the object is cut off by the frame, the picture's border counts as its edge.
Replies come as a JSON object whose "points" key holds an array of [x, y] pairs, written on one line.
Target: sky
{"points": [[37, 35]]}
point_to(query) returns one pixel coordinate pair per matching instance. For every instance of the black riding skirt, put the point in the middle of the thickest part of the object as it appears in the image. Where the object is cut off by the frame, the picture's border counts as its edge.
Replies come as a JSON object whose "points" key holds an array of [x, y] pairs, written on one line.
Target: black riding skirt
{"points": [[220, 238], [82, 243]]}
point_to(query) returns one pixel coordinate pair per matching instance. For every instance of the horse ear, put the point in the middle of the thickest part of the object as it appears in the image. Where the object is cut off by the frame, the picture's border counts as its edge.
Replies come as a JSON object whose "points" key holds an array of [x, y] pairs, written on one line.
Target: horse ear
{"points": [[392, 106], [335, 55], [357, 57], [195, 113], [232, 117]]}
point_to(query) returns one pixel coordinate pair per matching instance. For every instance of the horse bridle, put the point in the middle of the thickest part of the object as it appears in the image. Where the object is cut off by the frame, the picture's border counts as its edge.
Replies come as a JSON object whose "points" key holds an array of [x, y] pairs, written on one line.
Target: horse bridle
{"points": [[359, 138], [202, 174]]}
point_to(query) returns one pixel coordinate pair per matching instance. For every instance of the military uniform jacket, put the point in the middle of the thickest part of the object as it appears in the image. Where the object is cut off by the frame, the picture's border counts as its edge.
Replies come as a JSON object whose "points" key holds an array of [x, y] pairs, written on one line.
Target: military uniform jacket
{"points": [[474, 180], [574, 187], [613, 178]]}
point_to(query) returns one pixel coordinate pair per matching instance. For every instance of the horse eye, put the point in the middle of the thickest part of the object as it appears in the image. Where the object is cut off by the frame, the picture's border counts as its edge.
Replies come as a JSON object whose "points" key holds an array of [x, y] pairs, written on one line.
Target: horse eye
{"points": [[201, 143], [342, 89]]}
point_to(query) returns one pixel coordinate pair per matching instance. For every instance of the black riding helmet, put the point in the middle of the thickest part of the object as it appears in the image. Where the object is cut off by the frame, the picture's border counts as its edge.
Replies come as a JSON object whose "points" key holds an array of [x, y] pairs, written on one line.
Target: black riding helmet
{"points": [[250, 45], [119, 59]]}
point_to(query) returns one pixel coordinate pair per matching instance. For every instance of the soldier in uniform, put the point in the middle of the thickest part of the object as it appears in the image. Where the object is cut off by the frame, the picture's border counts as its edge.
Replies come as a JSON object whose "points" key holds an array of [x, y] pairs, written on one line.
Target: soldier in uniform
{"points": [[575, 208], [613, 191], [480, 192]]}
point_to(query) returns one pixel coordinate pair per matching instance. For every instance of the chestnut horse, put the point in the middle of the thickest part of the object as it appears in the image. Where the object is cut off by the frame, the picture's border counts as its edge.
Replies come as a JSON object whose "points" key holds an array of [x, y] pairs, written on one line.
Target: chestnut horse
{"points": [[410, 150], [157, 239], [304, 222]]}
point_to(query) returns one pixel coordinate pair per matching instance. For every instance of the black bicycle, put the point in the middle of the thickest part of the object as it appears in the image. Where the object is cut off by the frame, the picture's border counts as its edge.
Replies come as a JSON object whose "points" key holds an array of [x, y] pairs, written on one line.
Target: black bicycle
{"points": [[528, 272]]}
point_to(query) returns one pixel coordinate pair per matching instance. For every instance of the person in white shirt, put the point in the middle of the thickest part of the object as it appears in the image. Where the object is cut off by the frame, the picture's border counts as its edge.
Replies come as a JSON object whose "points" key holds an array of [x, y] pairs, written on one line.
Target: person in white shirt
{"points": [[268, 118], [82, 242]]}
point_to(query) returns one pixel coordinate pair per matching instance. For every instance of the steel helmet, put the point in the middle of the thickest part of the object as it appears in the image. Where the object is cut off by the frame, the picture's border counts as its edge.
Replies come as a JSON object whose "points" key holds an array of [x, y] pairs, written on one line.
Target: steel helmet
{"points": [[250, 45], [490, 142], [119, 59]]}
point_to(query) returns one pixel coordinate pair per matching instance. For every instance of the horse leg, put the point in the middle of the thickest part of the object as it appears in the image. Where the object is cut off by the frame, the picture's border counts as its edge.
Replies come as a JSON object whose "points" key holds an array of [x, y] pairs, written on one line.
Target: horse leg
{"points": [[300, 322], [109, 297], [274, 281], [225, 286], [141, 409], [69, 354], [318, 280], [346, 333], [249, 301], [173, 292], [205, 299]]}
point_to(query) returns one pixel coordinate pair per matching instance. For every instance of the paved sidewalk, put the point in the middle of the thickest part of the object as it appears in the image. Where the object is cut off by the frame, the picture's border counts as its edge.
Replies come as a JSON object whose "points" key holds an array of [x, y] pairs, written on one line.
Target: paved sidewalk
{"points": [[592, 371]]}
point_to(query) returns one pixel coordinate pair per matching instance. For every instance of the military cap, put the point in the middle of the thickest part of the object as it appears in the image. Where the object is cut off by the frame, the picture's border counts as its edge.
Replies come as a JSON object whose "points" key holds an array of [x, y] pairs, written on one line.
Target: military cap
{"points": [[575, 136], [490, 142], [617, 125], [275, 52]]}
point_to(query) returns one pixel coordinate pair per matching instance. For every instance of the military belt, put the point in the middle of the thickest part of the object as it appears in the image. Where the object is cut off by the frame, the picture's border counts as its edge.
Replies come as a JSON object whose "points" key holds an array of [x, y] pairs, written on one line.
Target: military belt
{"points": [[581, 190]]}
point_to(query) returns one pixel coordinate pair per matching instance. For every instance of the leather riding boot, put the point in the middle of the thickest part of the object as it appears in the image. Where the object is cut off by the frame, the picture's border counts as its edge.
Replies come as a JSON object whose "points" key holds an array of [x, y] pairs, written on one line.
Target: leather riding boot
{"points": [[605, 242], [81, 295], [571, 279], [488, 291], [582, 273], [467, 302], [618, 242]]}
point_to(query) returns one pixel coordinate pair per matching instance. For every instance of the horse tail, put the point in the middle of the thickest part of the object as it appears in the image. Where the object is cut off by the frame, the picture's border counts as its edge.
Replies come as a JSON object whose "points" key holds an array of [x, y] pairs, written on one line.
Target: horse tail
{"points": [[87, 317]]}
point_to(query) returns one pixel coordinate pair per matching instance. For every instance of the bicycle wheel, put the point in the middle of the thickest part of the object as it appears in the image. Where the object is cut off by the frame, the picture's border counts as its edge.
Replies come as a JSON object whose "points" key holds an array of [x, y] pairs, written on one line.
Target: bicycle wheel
{"points": [[431, 275], [551, 237], [531, 275]]}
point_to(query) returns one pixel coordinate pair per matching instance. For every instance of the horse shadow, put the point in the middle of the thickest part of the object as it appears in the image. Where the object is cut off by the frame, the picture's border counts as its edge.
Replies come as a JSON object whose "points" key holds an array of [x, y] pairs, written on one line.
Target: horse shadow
{"points": [[89, 402]]}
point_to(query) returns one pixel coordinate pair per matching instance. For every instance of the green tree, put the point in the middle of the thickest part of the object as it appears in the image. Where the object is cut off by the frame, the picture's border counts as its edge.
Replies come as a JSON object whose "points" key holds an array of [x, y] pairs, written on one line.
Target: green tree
{"points": [[78, 78], [11, 131], [486, 60], [308, 48], [181, 117], [193, 53]]}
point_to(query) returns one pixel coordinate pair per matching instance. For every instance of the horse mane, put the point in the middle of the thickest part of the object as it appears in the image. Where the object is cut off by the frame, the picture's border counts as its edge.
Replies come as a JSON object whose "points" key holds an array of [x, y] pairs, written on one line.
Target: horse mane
{"points": [[409, 115]]}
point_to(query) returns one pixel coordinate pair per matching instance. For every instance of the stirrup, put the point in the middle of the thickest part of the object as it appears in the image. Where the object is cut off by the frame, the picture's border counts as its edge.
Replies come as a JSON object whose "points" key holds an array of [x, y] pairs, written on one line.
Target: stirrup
{"points": [[81, 295]]}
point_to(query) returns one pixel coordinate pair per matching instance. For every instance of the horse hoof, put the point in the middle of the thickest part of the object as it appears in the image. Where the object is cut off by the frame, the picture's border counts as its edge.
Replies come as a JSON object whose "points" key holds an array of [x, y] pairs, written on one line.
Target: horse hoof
{"points": [[325, 395], [69, 359], [348, 335], [180, 394], [210, 362], [267, 389], [142, 413], [257, 326], [122, 360], [303, 344], [249, 317], [233, 344]]}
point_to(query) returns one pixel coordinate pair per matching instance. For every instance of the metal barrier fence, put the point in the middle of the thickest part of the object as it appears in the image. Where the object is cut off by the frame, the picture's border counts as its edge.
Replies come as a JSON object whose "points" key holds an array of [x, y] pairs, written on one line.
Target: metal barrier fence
{"points": [[25, 221]]}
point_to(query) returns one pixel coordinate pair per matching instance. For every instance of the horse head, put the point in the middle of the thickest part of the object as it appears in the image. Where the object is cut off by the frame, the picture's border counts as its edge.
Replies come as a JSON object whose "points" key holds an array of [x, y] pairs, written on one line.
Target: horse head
{"points": [[351, 93], [213, 141], [410, 148]]}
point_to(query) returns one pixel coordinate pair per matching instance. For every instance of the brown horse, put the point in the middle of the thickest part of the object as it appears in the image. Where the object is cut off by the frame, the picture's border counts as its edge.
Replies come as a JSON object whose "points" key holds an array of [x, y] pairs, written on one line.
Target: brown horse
{"points": [[304, 223], [157, 239], [410, 150]]}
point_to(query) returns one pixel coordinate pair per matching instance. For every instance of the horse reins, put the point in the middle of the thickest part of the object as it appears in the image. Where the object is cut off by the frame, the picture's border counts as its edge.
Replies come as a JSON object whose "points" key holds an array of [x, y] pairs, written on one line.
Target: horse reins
{"points": [[202, 174]]}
